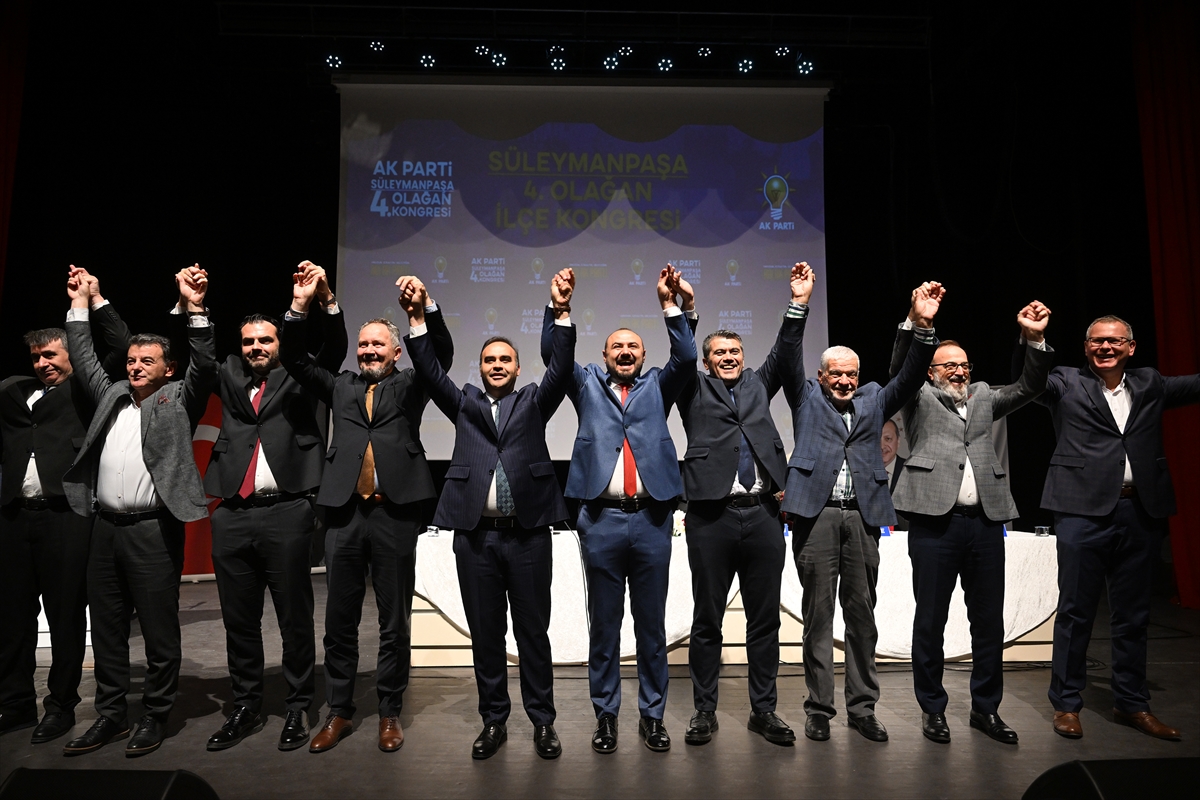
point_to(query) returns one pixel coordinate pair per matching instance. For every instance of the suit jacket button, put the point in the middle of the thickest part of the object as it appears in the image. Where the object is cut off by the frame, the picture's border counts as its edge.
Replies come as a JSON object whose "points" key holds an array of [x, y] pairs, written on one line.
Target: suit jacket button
{"points": [[618, 449], [735, 449], [491, 472], [960, 466]]}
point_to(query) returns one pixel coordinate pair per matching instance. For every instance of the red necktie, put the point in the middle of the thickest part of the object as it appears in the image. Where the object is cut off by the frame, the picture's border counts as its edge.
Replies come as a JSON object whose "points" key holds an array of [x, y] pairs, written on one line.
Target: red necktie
{"points": [[248, 481], [630, 467]]}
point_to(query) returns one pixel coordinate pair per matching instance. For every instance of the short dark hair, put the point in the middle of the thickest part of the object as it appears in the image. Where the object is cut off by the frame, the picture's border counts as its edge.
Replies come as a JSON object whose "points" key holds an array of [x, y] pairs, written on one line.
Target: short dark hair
{"points": [[253, 318], [1113, 318], [147, 339], [44, 336], [502, 340], [719, 334]]}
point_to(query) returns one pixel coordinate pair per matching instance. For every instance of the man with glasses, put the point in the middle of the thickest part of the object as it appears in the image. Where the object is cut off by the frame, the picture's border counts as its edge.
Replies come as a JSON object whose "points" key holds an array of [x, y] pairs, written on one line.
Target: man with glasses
{"points": [[1110, 490], [953, 491], [837, 498]]}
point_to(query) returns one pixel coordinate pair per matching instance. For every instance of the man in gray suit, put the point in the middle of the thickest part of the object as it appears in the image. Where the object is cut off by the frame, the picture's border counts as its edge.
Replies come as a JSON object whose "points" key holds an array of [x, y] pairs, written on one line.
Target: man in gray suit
{"points": [[136, 466], [953, 491]]}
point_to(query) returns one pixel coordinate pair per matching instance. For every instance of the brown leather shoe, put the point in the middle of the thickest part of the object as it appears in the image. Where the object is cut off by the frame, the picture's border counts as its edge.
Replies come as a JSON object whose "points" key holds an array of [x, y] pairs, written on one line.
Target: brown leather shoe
{"points": [[1148, 724], [1066, 723], [391, 735], [333, 731]]}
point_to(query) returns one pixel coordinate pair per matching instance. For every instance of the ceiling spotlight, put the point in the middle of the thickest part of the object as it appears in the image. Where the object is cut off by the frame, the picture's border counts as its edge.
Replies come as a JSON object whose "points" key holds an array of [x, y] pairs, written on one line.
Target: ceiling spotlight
{"points": [[558, 64], [376, 46], [557, 48], [781, 51], [704, 52], [499, 59], [664, 65], [745, 65], [804, 67], [427, 61], [333, 62], [625, 50], [610, 62], [480, 50]]}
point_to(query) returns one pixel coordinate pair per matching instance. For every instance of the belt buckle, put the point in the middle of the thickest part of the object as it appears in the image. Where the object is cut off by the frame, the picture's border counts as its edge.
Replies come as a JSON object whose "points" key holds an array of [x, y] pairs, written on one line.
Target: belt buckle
{"points": [[504, 522], [629, 504]]}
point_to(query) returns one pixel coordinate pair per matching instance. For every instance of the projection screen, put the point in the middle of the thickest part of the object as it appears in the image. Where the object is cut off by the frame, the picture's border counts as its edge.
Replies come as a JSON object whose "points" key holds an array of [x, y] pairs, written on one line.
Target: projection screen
{"points": [[485, 191]]}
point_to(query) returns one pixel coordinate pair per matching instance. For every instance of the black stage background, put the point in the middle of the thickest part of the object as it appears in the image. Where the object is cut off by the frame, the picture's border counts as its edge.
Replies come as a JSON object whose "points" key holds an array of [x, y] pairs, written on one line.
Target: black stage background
{"points": [[1000, 156]]}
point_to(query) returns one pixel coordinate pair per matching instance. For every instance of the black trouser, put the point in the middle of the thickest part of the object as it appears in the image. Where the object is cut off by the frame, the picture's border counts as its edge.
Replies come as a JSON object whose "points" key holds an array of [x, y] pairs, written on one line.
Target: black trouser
{"points": [[942, 550], [266, 547], [42, 552], [383, 538], [496, 567], [724, 541], [136, 567]]}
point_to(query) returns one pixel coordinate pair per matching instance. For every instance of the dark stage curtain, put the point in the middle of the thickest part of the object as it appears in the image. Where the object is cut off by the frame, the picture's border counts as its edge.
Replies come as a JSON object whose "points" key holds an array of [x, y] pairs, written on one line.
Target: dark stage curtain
{"points": [[1167, 64], [14, 34]]}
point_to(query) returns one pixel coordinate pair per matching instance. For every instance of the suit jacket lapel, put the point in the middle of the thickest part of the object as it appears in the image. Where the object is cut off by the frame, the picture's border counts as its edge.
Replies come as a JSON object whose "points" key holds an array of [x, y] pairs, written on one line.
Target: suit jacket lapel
{"points": [[1135, 401], [275, 379], [719, 388], [146, 410], [19, 391], [506, 409], [1095, 391]]}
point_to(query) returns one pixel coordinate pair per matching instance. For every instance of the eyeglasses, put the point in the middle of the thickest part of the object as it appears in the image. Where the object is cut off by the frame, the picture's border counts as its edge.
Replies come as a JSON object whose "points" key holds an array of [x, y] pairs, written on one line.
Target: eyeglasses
{"points": [[837, 373], [952, 366], [1113, 341]]}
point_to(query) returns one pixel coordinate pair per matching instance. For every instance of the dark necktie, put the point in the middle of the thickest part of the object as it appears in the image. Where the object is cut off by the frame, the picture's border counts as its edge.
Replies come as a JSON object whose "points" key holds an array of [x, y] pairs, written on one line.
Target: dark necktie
{"points": [[745, 456], [248, 481], [504, 498]]}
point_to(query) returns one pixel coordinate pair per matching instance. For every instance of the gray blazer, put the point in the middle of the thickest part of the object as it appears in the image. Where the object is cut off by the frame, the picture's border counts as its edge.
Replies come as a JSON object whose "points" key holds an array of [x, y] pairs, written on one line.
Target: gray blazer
{"points": [[940, 440], [169, 418]]}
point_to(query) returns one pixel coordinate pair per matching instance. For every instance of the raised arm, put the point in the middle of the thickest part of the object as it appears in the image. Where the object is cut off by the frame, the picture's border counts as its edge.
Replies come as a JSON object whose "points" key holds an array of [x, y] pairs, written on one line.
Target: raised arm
{"points": [[1039, 359], [334, 342], [547, 340], [201, 375], [293, 354], [423, 350], [79, 336], [926, 301], [559, 376], [780, 364], [681, 366]]}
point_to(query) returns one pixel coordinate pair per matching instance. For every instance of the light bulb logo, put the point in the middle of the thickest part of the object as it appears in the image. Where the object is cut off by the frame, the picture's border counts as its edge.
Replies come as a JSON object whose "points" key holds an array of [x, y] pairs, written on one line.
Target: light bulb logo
{"points": [[440, 265], [490, 315], [589, 317], [732, 267], [538, 266], [637, 266], [776, 191]]}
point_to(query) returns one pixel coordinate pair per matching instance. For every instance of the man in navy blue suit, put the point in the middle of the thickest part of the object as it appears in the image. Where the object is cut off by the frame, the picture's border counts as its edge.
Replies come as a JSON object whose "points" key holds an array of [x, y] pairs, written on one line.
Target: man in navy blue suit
{"points": [[500, 497], [625, 470], [1110, 490], [837, 498]]}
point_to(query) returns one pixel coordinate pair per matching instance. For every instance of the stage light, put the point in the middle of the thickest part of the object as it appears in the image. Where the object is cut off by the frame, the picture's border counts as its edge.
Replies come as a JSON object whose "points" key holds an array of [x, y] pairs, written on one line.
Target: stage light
{"points": [[480, 50], [499, 59], [376, 46], [427, 61], [557, 48], [664, 65], [803, 67], [704, 52], [781, 51], [558, 64], [333, 62], [610, 62], [745, 65], [625, 50]]}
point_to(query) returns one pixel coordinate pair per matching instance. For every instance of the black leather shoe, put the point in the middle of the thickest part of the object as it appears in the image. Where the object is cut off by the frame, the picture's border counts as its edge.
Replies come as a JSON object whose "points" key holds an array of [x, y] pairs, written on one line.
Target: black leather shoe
{"points": [[545, 742], [993, 726], [103, 731], [768, 725], [816, 727], [52, 726], [604, 740], [701, 728], [240, 724], [147, 738], [869, 727], [295, 731], [935, 728], [16, 722], [654, 733], [489, 741]]}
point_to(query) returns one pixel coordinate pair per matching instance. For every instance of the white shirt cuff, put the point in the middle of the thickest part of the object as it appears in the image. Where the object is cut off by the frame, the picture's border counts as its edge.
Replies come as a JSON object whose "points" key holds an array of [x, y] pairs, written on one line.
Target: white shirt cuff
{"points": [[198, 321], [564, 322], [1035, 345], [332, 308], [77, 315], [672, 311], [101, 304], [417, 330]]}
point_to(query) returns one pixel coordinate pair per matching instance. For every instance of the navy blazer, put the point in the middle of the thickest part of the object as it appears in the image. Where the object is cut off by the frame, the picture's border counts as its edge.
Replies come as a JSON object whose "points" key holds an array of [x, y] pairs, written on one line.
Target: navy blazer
{"points": [[823, 443], [393, 429], [715, 423], [604, 424], [1088, 465], [518, 441]]}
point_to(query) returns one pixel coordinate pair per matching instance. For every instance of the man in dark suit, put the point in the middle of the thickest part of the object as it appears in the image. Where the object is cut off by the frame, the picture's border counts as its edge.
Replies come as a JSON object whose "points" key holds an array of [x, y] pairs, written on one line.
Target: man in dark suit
{"points": [[1110, 490], [837, 498], [43, 420], [136, 465], [625, 470], [377, 490], [265, 465], [733, 466], [954, 492], [500, 497]]}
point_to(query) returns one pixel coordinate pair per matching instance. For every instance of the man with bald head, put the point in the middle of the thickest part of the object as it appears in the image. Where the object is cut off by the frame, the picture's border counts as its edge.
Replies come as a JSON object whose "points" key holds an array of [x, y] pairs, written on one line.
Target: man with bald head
{"points": [[625, 471], [837, 498], [1110, 490]]}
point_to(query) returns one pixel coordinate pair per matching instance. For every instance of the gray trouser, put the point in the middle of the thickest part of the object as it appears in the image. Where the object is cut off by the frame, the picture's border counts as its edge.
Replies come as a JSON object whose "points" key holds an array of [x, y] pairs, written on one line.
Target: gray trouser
{"points": [[831, 545]]}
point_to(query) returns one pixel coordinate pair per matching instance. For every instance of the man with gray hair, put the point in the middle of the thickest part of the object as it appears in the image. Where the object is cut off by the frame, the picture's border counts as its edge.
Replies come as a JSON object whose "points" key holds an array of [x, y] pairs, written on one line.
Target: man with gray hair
{"points": [[837, 499]]}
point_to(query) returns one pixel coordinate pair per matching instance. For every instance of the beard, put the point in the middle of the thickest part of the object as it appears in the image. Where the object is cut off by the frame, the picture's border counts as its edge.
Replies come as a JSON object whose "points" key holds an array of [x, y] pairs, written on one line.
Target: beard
{"points": [[263, 368], [374, 371], [957, 391]]}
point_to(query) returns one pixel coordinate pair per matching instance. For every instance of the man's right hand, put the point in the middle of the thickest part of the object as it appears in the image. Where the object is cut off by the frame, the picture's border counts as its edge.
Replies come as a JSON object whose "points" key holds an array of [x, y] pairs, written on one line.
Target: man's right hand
{"points": [[412, 298], [802, 280], [305, 283], [926, 300], [79, 287], [680, 286], [562, 288]]}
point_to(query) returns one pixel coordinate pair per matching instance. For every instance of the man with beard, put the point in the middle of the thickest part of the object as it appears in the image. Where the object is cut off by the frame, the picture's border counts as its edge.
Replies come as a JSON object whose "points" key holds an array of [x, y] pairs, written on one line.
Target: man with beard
{"points": [[733, 466], [625, 470], [376, 488], [500, 498], [837, 498], [265, 465], [954, 493], [1110, 490]]}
